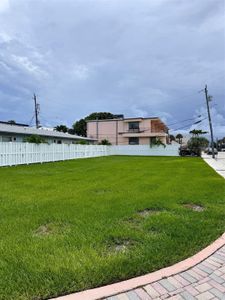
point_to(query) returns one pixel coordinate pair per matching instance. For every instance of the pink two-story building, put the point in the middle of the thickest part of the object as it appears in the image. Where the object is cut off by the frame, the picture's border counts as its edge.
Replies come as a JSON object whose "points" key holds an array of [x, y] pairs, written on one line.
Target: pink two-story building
{"points": [[128, 131]]}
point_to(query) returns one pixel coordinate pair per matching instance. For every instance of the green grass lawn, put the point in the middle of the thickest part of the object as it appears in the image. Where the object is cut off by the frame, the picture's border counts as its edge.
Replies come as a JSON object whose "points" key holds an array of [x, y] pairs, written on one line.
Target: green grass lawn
{"points": [[73, 225]]}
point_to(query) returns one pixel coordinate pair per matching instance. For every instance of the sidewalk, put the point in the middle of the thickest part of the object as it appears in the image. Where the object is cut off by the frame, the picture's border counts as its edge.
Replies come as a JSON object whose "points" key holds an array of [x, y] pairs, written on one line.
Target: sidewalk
{"points": [[218, 164]]}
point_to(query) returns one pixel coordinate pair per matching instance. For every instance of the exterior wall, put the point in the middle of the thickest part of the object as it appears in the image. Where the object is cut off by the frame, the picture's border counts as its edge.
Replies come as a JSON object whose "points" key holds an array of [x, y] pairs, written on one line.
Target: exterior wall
{"points": [[144, 141], [107, 130], [9, 137], [117, 131]]}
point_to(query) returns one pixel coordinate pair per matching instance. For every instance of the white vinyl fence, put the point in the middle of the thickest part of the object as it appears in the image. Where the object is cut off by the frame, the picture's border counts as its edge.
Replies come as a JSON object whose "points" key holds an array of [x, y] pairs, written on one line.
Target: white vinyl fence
{"points": [[145, 150], [26, 153]]}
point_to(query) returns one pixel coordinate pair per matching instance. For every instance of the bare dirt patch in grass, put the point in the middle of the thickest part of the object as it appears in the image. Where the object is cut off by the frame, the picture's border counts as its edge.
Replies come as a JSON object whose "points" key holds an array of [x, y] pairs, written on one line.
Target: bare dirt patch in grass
{"points": [[51, 229], [153, 230], [194, 207], [120, 245], [137, 220], [133, 222], [101, 191], [148, 212]]}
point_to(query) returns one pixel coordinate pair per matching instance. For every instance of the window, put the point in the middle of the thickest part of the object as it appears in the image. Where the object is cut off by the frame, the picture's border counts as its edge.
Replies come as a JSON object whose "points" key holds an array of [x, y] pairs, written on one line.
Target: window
{"points": [[133, 141], [134, 126], [7, 139]]}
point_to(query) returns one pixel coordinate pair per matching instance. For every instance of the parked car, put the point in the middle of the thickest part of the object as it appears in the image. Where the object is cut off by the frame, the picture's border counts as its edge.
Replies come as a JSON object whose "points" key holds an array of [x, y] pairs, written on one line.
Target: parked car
{"points": [[185, 151], [209, 151], [222, 148]]}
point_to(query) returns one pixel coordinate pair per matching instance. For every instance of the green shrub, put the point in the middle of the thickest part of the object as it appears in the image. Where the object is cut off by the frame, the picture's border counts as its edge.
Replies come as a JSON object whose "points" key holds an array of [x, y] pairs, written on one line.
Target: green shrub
{"points": [[105, 142], [82, 142], [157, 142], [35, 139]]}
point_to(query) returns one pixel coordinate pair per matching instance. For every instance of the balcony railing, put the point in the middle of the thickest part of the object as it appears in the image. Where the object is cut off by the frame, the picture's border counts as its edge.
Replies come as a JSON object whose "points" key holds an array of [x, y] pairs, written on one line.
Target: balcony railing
{"points": [[143, 130], [131, 130]]}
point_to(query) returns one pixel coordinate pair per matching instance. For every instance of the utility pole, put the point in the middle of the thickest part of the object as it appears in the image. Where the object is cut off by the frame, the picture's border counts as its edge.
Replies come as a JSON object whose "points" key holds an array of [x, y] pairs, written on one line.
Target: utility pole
{"points": [[208, 98], [37, 110]]}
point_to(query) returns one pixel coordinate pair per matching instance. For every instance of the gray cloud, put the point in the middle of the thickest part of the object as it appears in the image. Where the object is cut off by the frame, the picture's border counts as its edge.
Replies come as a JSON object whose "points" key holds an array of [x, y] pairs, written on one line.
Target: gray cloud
{"points": [[132, 57]]}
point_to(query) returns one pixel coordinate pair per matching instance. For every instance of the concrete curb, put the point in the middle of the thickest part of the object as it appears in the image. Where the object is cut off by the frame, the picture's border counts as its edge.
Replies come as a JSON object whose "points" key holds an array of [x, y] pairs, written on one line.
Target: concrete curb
{"points": [[123, 286]]}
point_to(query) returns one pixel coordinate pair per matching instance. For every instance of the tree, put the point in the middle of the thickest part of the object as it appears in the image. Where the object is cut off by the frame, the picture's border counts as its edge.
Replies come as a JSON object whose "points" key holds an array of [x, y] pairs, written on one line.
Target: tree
{"points": [[105, 142], [197, 132], [36, 139], [172, 137], [222, 140], [61, 128], [12, 122], [197, 144], [71, 131], [99, 116], [80, 127], [179, 137]]}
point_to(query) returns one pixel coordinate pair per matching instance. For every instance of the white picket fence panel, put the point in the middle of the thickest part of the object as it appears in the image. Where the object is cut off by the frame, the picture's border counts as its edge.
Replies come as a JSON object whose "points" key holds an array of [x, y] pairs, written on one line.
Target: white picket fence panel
{"points": [[145, 150], [26, 153]]}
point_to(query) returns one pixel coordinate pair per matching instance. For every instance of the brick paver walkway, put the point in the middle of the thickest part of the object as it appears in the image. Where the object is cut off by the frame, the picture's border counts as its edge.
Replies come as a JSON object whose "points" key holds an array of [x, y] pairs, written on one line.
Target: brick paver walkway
{"points": [[204, 281]]}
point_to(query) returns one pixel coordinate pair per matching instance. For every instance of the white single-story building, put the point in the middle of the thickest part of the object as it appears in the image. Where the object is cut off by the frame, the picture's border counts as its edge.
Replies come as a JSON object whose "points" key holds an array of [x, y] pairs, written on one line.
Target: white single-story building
{"points": [[19, 132]]}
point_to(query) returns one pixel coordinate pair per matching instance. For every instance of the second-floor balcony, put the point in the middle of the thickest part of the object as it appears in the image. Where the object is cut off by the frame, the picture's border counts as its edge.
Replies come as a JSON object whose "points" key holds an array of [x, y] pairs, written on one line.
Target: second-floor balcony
{"points": [[141, 132], [131, 130]]}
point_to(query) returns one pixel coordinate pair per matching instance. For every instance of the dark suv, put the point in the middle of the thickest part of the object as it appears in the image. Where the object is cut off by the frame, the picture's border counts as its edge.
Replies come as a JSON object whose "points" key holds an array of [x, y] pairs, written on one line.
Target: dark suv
{"points": [[185, 151]]}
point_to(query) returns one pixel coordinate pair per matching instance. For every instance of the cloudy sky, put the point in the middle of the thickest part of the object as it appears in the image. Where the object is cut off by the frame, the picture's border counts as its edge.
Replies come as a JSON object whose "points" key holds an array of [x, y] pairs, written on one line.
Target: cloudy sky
{"points": [[136, 57]]}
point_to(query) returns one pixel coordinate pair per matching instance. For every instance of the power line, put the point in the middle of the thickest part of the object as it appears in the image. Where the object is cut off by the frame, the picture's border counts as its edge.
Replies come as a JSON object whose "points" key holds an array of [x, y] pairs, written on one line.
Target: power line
{"points": [[183, 127], [31, 120], [184, 121], [188, 125]]}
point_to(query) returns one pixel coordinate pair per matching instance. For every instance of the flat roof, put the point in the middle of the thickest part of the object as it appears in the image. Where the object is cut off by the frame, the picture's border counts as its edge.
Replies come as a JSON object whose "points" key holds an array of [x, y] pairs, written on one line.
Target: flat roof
{"points": [[24, 130], [124, 119]]}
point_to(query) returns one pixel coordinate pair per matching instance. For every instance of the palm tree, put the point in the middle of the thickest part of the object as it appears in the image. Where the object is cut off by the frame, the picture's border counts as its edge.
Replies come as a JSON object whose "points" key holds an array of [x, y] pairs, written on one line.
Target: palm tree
{"points": [[179, 137], [172, 138], [196, 132], [61, 128]]}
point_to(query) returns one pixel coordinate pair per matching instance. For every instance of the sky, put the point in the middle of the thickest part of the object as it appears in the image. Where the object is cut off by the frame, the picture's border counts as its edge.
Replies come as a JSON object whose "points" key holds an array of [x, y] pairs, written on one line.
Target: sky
{"points": [[137, 58]]}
